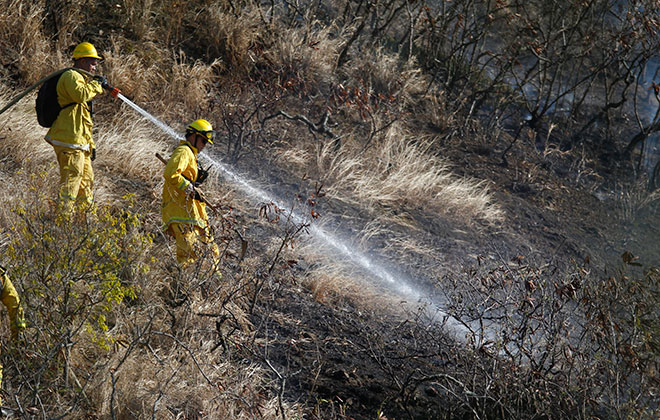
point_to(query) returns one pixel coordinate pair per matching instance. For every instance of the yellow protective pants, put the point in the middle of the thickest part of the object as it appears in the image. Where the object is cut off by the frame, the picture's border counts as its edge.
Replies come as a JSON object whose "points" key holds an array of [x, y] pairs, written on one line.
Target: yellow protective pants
{"points": [[76, 177], [192, 242], [9, 298]]}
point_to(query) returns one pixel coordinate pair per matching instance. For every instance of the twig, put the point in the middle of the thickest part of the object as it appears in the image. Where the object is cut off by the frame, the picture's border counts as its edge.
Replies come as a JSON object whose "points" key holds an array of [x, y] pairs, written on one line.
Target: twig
{"points": [[189, 352], [280, 394], [153, 413], [320, 127]]}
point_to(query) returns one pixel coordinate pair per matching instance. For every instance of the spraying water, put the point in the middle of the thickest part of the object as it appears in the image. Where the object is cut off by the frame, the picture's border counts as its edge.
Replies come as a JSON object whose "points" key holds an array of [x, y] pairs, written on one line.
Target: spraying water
{"points": [[395, 282], [359, 259], [167, 129]]}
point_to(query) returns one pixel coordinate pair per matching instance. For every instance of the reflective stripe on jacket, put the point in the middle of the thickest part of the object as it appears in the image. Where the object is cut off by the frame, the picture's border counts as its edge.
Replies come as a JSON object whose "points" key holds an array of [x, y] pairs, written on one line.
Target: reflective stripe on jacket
{"points": [[180, 170], [73, 126]]}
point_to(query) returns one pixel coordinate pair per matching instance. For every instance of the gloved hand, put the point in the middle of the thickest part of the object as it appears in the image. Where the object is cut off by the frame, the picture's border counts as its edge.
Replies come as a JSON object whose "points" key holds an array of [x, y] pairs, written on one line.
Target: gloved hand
{"points": [[202, 174], [103, 81], [93, 154], [192, 193]]}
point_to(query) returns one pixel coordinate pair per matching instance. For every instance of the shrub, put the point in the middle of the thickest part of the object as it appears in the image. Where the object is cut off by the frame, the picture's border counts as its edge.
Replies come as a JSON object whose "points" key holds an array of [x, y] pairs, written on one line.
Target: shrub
{"points": [[565, 346], [72, 275]]}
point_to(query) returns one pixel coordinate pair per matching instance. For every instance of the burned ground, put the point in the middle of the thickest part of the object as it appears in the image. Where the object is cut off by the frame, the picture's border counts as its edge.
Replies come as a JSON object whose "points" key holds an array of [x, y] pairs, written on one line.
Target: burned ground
{"points": [[364, 359]]}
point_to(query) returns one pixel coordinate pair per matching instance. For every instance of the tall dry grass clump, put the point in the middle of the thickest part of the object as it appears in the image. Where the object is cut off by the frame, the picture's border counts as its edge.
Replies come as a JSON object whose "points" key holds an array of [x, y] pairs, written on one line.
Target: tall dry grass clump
{"points": [[304, 56], [24, 46], [138, 18], [231, 37], [386, 77], [22, 138], [127, 145], [135, 70], [187, 84], [402, 171], [634, 199]]}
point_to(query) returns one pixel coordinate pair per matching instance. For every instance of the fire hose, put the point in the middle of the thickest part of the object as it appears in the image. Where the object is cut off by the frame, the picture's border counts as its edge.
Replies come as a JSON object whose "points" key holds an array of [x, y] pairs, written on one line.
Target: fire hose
{"points": [[113, 91]]}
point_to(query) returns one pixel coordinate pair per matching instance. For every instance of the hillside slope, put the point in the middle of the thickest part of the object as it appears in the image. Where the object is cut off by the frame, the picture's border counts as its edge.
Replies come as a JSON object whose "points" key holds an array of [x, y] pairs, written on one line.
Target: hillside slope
{"points": [[445, 260]]}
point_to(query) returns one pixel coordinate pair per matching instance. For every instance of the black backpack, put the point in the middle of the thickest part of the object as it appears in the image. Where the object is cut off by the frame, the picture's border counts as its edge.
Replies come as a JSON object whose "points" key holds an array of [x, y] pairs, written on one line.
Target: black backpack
{"points": [[46, 105]]}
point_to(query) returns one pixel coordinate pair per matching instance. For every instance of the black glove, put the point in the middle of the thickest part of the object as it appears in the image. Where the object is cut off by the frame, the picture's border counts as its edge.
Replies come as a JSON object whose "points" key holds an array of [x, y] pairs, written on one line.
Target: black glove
{"points": [[202, 174], [93, 154], [103, 81], [191, 192]]}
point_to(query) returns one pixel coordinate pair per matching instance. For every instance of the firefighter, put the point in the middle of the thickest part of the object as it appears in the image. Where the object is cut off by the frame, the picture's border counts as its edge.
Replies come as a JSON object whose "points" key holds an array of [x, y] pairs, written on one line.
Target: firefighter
{"points": [[71, 133], [183, 210], [10, 299]]}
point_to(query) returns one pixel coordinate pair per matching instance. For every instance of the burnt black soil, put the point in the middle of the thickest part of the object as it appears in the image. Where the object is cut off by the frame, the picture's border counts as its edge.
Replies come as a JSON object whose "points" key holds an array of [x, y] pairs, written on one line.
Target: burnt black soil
{"points": [[343, 355]]}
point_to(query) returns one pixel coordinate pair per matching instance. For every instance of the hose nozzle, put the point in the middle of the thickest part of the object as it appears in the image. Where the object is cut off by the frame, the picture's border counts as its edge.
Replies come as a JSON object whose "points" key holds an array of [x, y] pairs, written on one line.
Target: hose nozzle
{"points": [[113, 90]]}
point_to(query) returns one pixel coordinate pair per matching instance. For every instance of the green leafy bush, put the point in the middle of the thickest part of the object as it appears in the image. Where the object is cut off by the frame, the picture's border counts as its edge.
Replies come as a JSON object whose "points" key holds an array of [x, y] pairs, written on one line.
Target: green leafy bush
{"points": [[72, 275]]}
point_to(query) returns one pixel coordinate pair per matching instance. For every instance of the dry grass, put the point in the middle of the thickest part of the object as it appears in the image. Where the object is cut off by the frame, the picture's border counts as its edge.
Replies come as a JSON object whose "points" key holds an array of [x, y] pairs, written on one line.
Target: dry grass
{"points": [[633, 200], [376, 226], [395, 242], [333, 281], [186, 89], [127, 145], [403, 172], [232, 37], [135, 71], [294, 158], [24, 46], [138, 17], [167, 381], [22, 138], [406, 245], [385, 76], [305, 55], [337, 285]]}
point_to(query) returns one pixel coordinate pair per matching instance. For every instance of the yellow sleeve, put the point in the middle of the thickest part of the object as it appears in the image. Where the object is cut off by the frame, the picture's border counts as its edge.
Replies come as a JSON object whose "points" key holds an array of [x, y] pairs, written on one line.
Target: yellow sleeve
{"points": [[176, 166], [74, 87], [12, 301]]}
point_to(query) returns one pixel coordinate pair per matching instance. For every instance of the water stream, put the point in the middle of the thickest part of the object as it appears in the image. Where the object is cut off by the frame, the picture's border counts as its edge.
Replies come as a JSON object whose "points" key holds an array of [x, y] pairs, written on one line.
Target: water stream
{"points": [[395, 282]]}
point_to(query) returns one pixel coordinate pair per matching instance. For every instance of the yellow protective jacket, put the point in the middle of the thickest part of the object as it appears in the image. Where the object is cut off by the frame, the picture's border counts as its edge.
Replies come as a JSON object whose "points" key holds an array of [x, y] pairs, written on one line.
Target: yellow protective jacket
{"points": [[10, 299], [180, 171], [73, 126]]}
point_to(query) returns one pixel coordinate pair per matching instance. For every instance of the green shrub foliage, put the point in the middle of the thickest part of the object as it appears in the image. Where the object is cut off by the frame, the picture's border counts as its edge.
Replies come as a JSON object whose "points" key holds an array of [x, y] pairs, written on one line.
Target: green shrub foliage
{"points": [[72, 275]]}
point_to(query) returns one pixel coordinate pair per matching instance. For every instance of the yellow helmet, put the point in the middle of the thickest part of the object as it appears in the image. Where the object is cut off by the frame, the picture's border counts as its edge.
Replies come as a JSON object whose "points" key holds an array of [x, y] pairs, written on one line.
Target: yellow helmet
{"points": [[85, 49], [203, 128]]}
